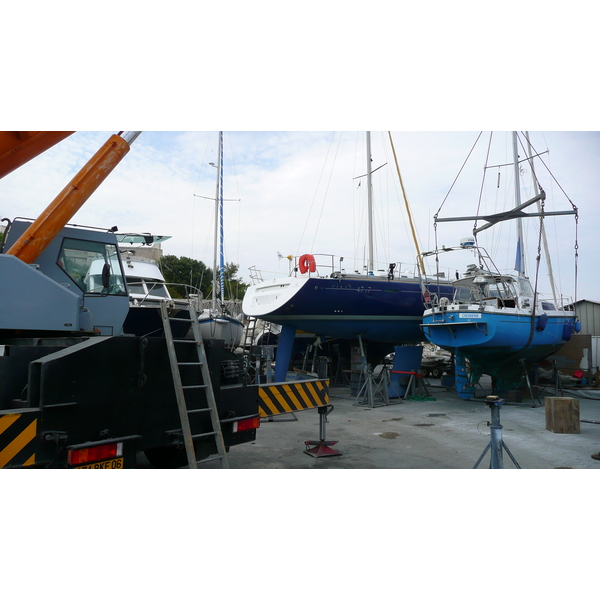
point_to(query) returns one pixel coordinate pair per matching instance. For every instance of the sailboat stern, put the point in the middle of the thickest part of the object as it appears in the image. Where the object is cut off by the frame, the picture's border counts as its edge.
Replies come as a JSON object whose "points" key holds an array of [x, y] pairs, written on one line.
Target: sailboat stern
{"points": [[265, 298]]}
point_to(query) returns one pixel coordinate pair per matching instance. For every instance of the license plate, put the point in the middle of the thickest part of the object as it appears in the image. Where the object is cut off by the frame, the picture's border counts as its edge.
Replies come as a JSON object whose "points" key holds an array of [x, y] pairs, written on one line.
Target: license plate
{"points": [[113, 463]]}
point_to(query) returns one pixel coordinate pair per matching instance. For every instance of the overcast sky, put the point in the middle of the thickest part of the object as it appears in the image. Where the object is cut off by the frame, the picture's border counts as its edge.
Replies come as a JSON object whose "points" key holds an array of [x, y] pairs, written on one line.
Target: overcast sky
{"points": [[298, 192], [277, 90]]}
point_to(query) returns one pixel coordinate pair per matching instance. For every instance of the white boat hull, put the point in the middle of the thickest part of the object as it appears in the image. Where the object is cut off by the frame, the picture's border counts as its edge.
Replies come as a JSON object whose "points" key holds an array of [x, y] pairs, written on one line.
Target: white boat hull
{"points": [[221, 327]]}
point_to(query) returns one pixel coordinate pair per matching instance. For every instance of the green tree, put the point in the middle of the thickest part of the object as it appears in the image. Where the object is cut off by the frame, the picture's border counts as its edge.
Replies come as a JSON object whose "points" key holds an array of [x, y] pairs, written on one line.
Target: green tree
{"points": [[187, 271], [235, 288]]}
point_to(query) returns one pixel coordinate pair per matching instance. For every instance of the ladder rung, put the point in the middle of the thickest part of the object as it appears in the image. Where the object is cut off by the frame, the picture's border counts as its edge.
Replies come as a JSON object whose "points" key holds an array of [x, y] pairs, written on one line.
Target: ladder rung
{"points": [[182, 403], [203, 435], [209, 459]]}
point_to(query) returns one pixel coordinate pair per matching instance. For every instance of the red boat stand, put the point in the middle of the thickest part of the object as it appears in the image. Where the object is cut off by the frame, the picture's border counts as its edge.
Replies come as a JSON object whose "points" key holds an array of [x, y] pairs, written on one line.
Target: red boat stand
{"points": [[321, 448]]}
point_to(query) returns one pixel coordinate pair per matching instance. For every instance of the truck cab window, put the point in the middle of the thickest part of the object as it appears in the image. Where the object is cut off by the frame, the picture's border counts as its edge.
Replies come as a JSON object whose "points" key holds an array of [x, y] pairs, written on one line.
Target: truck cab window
{"points": [[93, 266]]}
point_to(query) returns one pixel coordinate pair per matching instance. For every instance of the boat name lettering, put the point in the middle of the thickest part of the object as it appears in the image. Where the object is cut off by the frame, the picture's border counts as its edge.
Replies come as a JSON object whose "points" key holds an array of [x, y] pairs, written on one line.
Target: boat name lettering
{"points": [[469, 315]]}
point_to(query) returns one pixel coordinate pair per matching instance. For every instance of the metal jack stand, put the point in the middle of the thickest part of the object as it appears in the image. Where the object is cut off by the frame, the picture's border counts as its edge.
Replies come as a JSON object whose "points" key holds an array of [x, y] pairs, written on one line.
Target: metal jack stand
{"points": [[558, 388], [416, 387], [496, 443], [526, 377], [374, 388], [321, 448]]}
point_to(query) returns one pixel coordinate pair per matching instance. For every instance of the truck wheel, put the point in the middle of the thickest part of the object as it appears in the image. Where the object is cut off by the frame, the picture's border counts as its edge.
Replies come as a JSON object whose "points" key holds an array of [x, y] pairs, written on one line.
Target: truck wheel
{"points": [[173, 457], [436, 373]]}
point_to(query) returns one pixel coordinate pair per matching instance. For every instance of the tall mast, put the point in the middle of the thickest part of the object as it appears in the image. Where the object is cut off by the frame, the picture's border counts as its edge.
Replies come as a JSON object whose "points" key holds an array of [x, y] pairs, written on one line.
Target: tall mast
{"points": [[410, 220], [544, 238], [221, 251], [218, 257], [370, 203], [520, 259]]}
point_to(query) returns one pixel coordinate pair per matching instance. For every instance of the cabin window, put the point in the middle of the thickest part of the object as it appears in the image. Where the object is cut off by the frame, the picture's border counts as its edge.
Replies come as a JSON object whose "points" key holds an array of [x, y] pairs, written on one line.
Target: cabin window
{"points": [[157, 289], [146, 288], [525, 287], [136, 287], [93, 266], [464, 295]]}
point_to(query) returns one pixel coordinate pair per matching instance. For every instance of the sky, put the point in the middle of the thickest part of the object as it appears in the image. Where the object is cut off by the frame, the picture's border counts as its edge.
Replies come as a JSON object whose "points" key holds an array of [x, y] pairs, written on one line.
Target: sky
{"points": [[296, 192], [283, 90]]}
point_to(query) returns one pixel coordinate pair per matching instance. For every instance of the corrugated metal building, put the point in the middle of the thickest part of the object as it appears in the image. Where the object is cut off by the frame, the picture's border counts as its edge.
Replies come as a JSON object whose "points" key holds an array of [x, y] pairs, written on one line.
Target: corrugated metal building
{"points": [[588, 312]]}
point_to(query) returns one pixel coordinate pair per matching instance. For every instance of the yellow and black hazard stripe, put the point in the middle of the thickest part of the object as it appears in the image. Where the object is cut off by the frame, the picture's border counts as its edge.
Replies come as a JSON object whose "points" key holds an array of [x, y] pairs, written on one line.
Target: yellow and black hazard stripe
{"points": [[280, 398], [18, 432]]}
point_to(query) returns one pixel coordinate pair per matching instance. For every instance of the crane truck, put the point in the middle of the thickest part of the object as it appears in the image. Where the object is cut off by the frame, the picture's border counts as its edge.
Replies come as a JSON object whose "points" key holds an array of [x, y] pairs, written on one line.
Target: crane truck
{"points": [[75, 390]]}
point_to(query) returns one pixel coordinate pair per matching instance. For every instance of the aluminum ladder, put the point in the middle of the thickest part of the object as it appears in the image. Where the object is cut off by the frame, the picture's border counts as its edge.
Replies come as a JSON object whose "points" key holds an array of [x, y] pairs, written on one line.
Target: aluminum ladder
{"points": [[180, 390]]}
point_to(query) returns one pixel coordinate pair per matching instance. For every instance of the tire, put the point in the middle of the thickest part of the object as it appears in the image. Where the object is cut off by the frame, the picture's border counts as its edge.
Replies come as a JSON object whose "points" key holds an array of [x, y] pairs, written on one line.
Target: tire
{"points": [[436, 372]]}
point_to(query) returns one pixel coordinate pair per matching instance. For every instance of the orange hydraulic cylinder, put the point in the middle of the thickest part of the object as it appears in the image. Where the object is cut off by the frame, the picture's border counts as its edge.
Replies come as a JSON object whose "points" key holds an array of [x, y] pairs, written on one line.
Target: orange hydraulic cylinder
{"points": [[44, 229]]}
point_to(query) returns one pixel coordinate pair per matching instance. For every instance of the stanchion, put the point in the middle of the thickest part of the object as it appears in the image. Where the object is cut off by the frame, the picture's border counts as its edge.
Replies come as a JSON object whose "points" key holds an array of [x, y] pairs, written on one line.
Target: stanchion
{"points": [[321, 448], [416, 388], [496, 443]]}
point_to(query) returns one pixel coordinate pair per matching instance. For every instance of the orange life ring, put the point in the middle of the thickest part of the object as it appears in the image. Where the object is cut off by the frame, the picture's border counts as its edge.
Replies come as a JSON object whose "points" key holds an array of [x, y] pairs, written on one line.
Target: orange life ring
{"points": [[307, 263]]}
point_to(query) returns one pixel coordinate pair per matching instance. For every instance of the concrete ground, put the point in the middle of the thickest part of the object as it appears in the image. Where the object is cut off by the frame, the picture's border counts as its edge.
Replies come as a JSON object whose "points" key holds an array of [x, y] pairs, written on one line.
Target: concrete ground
{"points": [[445, 433]]}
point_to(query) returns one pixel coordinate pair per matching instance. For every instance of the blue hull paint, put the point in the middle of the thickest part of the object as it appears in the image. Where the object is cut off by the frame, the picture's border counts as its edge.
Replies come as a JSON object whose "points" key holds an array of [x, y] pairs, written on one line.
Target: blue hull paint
{"points": [[497, 345], [493, 331], [381, 311]]}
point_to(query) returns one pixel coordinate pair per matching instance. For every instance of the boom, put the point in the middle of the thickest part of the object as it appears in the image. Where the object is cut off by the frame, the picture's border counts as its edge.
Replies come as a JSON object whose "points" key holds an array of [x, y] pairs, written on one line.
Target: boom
{"points": [[45, 228]]}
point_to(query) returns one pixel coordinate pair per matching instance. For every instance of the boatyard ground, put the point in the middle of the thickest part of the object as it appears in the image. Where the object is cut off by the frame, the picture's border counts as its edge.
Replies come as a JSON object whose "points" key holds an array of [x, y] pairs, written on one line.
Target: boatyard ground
{"points": [[445, 433]]}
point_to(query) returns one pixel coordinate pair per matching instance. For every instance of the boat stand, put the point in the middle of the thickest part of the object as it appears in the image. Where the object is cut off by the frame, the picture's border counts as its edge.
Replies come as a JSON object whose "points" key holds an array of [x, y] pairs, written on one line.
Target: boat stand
{"points": [[322, 448], [375, 388], [416, 388], [558, 387], [496, 443], [526, 377]]}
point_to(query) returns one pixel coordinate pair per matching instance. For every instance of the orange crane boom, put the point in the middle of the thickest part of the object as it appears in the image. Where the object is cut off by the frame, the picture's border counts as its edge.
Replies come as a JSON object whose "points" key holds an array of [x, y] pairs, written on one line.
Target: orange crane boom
{"points": [[19, 147], [45, 228]]}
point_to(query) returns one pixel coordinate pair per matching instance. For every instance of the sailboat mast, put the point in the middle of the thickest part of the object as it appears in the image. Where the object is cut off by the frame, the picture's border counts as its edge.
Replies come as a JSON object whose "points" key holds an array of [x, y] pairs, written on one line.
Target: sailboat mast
{"points": [[218, 266], [221, 251], [536, 187], [408, 212], [370, 203], [520, 259]]}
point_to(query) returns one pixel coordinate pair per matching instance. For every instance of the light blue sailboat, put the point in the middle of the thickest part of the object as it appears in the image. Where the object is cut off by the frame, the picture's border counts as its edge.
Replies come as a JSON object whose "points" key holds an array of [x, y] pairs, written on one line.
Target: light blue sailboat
{"points": [[498, 323]]}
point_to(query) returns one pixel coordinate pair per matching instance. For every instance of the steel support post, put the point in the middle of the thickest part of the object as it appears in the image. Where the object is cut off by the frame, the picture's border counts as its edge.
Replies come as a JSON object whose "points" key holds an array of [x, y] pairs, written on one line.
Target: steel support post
{"points": [[496, 443], [322, 447]]}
